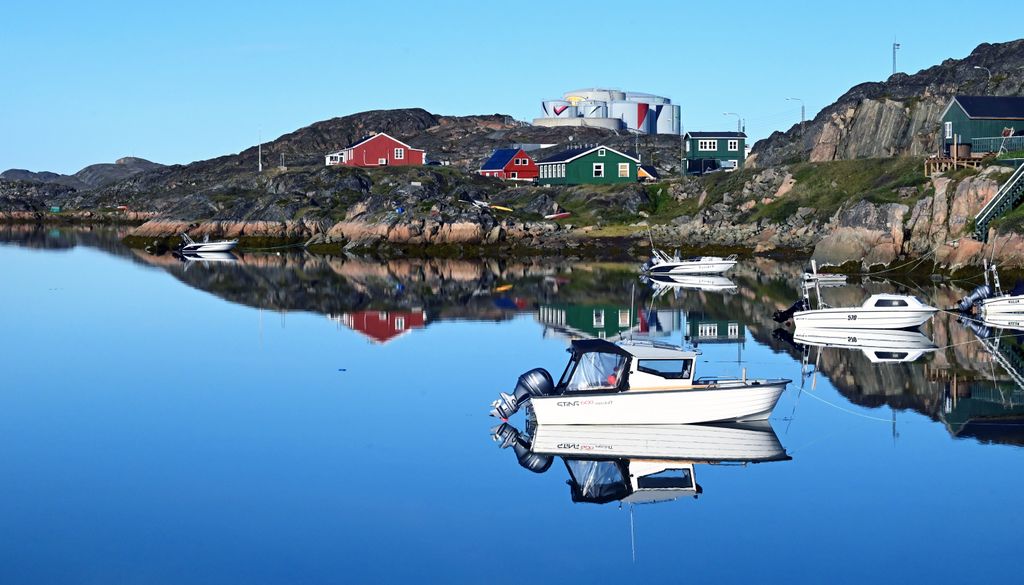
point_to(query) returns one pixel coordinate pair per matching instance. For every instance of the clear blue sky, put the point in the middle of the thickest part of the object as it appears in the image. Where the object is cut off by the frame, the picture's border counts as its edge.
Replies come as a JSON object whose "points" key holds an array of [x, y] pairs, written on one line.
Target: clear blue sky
{"points": [[182, 81]]}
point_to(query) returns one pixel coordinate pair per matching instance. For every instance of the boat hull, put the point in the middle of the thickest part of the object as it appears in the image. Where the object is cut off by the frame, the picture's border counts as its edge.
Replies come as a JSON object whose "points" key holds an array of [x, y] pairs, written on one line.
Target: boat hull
{"points": [[747, 442], [209, 247], [855, 318], [728, 402], [1008, 304]]}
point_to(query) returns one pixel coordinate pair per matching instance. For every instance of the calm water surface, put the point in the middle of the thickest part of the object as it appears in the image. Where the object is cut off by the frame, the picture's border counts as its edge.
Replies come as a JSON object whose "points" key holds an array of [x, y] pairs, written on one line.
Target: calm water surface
{"points": [[298, 419]]}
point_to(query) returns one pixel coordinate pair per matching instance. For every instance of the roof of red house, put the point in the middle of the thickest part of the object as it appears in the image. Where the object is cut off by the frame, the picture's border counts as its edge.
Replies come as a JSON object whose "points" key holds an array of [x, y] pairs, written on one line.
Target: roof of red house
{"points": [[499, 159], [378, 135]]}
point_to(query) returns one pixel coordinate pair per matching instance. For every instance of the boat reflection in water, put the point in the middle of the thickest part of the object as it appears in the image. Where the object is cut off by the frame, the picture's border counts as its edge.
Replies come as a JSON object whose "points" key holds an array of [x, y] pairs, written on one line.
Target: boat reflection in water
{"points": [[676, 283], [878, 345], [638, 464], [190, 258]]}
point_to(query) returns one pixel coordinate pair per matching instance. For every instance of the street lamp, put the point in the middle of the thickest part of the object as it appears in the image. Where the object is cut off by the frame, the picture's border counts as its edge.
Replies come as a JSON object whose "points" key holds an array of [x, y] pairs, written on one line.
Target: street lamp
{"points": [[737, 119], [986, 69], [802, 112]]}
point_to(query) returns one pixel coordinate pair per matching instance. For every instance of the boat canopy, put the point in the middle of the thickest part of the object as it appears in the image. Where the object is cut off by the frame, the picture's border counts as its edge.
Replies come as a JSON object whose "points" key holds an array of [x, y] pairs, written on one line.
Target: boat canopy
{"points": [[596, 482]]}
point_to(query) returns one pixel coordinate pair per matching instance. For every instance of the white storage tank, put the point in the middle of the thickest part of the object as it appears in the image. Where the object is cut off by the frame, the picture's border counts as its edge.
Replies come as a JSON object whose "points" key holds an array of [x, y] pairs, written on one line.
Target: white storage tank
{"points": [[668, 119], [593, 109], [636, 116], [647, 98], [559, 109], [594, 94]]}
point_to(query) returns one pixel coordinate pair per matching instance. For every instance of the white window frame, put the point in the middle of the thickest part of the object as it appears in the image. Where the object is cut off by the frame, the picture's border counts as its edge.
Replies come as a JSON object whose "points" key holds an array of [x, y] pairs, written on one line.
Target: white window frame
{"points": [[733, 145], [599, 318], [561, 170], [513, 175], [624, 170], [399, 323], [734, 330], [382, 161], [707, 144], [948, 127], [600, 152], [623, 317], [399, 154], [598, 170]]}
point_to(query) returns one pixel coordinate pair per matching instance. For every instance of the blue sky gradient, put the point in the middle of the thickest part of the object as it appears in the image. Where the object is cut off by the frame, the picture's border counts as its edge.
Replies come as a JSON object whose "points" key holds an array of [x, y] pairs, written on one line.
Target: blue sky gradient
{"points": [[91, 82]]}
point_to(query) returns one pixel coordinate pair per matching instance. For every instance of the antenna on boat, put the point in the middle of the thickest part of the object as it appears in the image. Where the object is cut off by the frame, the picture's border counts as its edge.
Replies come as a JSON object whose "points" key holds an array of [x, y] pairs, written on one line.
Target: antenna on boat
{"points": [[632, 304]]}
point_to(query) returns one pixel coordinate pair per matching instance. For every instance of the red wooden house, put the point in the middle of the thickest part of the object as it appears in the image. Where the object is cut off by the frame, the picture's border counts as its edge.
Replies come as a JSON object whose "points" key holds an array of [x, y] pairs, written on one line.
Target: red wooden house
{"points": [[383, 326], [510, 163], [378, 150]]}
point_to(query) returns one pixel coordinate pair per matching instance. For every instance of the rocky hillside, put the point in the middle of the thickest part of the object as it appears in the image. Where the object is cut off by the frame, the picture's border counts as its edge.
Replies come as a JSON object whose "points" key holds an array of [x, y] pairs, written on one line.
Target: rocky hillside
{"points": [[91, 177], [897, 116]]}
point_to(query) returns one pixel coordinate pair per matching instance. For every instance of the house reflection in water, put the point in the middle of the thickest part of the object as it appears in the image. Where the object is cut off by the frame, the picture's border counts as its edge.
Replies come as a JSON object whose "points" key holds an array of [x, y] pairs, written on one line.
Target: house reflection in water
{"points": [[382, 326], [614, 322]]}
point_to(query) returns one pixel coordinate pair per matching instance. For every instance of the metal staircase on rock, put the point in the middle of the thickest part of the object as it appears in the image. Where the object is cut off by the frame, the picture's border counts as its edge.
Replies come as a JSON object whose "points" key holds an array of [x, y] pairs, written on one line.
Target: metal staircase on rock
{"points": [[1009, 195]]}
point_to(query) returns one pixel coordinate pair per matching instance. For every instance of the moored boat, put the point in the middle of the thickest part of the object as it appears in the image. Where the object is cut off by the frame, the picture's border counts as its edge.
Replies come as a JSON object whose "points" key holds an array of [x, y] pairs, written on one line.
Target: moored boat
{"points": [[636, 382], [191, 246], [879, 311], [878, 345], [663, 264]]}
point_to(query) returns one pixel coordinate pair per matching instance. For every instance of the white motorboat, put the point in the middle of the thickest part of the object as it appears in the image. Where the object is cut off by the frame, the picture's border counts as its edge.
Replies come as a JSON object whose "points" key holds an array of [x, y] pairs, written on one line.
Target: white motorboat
{"points": [[663, 264], [636, 382], [191, 246], [879, 311], [878, 345], [639, 463], [707, 282], [1000, 304]]}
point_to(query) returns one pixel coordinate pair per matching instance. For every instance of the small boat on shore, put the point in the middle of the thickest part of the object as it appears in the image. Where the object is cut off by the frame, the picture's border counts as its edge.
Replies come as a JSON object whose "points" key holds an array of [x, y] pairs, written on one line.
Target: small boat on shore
{"points": [[190, 246], [636, 382]]}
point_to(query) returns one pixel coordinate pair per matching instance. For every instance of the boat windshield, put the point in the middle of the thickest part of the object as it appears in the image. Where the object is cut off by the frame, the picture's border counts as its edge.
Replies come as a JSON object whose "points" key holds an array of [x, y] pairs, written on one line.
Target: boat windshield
{"points": [[596, 481], [667, 479], [596, 371]]}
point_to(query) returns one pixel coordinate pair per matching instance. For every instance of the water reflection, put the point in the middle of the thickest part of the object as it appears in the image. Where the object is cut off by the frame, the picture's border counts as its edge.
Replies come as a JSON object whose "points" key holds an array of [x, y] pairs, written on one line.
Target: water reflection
{"points": [[638, 464], [939, 371]]}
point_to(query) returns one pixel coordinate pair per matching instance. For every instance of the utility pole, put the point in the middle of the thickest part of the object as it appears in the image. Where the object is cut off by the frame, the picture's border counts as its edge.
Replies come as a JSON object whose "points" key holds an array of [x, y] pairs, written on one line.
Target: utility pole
{"points": [[895, 47], [803, 113], [259, 151], [739, 122]]}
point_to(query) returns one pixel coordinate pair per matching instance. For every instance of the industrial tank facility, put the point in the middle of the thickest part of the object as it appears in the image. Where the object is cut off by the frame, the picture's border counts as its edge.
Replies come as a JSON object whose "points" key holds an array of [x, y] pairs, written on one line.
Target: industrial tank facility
{"points": [[612, 109]]}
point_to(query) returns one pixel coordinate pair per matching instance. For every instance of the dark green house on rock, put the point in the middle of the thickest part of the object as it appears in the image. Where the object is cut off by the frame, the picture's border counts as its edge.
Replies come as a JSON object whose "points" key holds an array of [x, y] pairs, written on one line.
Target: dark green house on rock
{"points": [[710, 151], [591, 165], [987, 123]]}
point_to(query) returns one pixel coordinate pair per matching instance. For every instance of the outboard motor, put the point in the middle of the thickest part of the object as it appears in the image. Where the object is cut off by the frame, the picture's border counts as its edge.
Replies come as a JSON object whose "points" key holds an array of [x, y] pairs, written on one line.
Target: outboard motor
{"points": [[979, 293], [783, 316], [536, 382], [980, 329], [646, 266], [509, 436]]}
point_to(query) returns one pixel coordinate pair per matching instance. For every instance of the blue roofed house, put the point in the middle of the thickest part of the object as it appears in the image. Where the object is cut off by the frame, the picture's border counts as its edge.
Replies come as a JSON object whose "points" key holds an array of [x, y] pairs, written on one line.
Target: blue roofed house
{"points": [[510, 163]]}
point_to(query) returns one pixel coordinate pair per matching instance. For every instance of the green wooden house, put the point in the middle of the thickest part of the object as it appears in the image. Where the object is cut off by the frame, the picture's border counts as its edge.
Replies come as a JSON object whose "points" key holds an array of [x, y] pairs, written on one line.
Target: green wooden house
{"points": [[709, 151], [987, 122], [587, 321], [594, 165]]}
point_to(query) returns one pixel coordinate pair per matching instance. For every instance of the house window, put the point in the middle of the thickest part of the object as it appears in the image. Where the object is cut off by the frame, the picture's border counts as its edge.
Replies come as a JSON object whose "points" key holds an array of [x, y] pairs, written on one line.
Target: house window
{"points": [[734, 330], [513, 175], [399, 323], [561, 170], [624, 170], [707, 145], [598, 169], [399, 153], [948, 127], [623, 318], [600, 152], [599, 318], [382, 161], [734, 145], [707, 330]]}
